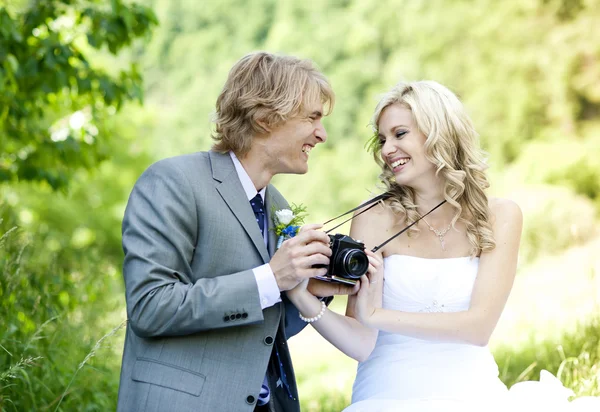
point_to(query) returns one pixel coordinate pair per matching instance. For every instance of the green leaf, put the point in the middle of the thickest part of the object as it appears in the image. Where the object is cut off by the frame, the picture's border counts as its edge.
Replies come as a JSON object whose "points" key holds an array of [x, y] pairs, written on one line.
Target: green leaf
{"points": [[14, 63]]}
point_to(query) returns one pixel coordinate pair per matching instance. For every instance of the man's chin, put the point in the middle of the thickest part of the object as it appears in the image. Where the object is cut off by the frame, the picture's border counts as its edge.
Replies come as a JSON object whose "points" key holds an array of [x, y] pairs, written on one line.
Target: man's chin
{"points": [[294, 169], [299, 170], [303, 171]]}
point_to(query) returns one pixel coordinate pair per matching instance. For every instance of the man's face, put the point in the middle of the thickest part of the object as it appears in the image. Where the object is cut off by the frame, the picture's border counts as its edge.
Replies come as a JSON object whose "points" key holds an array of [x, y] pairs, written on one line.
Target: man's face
{"points": [[288, 145]]}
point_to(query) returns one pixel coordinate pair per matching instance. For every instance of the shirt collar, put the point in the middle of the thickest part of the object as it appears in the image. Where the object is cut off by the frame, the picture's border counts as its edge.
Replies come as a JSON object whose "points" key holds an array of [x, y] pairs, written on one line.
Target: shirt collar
{"points": [[245, 180]]}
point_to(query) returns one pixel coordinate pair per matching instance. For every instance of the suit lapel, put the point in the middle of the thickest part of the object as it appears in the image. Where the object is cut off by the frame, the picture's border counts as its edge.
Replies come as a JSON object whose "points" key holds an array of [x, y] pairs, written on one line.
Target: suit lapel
{"points": [[232, 192]]}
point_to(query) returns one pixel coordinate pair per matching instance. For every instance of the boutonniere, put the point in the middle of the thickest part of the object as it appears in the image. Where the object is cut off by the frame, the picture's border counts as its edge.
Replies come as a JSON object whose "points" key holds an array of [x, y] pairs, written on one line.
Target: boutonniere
{"points": [[287, 222]]}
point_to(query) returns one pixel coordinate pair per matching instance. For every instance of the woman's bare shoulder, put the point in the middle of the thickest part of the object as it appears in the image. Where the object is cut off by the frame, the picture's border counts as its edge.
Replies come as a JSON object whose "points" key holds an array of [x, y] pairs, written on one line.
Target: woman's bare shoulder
{"points": [[373, 223], [505, 209], [380, 213]]}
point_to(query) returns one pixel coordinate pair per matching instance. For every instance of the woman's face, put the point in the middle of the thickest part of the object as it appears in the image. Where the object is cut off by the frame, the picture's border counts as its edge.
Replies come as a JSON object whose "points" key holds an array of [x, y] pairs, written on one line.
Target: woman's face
{"points": [[403, 147]]}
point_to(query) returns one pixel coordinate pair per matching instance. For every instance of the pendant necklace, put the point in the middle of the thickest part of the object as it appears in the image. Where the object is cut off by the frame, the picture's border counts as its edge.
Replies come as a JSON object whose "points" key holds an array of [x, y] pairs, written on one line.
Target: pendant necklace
{"points": [[439, 234]]}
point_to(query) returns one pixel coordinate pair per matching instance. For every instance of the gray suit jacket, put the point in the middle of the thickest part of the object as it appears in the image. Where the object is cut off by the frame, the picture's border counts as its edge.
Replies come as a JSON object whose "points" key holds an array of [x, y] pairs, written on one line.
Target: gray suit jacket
{"points": [[197, 338]]}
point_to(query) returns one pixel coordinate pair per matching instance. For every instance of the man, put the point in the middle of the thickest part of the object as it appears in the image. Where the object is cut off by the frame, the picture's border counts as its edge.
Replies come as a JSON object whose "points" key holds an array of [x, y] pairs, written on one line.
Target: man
{"points": [[208, 316]]}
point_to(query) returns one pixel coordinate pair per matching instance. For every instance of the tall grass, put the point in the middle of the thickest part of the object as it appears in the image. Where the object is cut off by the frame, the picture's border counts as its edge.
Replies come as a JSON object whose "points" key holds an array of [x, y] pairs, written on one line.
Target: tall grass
{"points": [[55, 352]]}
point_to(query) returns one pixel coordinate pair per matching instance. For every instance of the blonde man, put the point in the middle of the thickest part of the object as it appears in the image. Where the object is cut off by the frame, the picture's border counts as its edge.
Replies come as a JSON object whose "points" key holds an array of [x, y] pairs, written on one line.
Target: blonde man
{"points": [[205, 287]]}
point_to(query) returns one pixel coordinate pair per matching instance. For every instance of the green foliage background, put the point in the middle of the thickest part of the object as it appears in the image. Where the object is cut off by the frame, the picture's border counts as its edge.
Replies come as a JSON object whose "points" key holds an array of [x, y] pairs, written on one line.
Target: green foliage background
{"points": [[526, 70]]}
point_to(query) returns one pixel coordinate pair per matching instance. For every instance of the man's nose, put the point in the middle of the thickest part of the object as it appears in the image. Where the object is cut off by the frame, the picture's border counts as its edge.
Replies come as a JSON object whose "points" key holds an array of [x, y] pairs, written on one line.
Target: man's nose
{"points": [[320, 132]]}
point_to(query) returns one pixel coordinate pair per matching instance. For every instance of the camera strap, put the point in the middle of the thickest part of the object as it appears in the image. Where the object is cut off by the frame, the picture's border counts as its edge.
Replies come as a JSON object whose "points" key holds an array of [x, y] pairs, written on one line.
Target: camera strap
{"points": [[376, 248], [372, 203]]}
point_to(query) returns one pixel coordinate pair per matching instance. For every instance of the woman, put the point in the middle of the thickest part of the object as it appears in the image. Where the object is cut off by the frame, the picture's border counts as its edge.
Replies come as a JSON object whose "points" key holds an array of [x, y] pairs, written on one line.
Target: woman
{"points": [[421, 336]]}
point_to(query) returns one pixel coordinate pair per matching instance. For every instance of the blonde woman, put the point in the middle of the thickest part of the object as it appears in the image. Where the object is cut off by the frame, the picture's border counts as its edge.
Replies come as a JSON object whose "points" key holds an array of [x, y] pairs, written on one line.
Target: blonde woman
{"points": [[421, 335]]}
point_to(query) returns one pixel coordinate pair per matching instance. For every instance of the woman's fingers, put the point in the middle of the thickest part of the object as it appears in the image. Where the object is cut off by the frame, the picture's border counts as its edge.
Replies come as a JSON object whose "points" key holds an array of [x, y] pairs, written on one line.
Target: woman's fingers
{"points": [[364, 285]]}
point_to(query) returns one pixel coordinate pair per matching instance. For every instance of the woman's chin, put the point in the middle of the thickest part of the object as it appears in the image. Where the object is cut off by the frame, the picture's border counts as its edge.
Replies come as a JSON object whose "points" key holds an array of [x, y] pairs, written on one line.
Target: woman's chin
{"points": [[401, 180]]}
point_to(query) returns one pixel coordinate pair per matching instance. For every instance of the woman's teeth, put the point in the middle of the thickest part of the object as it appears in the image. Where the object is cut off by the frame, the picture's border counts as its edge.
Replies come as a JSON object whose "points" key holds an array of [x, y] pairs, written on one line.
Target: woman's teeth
{"points": [[400, 162], [306, 149]]}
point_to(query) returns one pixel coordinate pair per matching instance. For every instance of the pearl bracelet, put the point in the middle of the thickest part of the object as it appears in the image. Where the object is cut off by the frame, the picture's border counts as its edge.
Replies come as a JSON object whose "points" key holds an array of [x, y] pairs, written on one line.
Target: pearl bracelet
{"points": [[316, 318]]}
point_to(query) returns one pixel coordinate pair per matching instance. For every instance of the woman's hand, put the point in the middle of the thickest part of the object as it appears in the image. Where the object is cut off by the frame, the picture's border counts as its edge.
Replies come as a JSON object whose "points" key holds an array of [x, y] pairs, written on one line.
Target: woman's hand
{"points": [[296, 293], [370, 289]]}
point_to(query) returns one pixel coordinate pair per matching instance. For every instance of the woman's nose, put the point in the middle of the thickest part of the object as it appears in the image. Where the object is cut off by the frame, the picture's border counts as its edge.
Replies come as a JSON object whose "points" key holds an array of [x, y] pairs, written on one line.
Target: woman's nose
{"points": [[388, 148]]}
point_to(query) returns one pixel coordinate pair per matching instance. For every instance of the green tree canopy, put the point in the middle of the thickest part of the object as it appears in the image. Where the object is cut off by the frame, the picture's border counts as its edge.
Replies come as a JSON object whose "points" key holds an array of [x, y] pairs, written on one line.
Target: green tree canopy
{"points": [[52, 99]]}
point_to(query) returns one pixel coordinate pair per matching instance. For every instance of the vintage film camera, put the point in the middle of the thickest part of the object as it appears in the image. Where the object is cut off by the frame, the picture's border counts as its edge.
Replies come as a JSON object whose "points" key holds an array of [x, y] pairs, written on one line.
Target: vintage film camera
{"points": [[348, 260]]}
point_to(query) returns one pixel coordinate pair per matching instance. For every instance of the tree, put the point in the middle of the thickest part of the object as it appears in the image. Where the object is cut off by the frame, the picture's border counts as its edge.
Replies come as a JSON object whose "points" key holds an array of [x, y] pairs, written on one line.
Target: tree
{"points": [[52, 99]]}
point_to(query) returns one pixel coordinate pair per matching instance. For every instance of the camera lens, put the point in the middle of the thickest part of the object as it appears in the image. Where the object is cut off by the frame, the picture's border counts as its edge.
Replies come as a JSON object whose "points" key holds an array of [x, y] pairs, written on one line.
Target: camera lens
{"points": [[353, 263]]}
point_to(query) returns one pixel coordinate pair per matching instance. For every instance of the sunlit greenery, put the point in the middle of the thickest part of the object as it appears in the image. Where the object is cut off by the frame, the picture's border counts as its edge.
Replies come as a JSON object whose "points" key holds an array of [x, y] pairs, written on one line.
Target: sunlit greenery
{"points": [[75, 135]]}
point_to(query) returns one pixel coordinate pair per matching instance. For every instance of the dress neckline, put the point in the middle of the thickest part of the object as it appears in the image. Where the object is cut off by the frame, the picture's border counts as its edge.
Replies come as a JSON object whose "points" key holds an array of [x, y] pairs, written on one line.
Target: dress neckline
{"points": [[433, 259]]}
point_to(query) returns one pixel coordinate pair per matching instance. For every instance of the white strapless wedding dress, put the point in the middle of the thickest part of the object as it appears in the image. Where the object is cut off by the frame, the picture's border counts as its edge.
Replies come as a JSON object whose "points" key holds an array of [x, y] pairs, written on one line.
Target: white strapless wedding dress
{"points": [[408, 375]]}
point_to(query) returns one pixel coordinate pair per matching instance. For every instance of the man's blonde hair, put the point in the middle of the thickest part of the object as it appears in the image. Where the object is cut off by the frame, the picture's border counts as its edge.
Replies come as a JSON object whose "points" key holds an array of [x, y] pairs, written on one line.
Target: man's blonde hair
{"points": [[268, 89]]}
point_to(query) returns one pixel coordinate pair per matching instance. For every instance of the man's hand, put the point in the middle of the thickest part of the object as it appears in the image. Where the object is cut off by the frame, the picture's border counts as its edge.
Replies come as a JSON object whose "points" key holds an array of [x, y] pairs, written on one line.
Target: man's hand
{"points": [[294, 260]]}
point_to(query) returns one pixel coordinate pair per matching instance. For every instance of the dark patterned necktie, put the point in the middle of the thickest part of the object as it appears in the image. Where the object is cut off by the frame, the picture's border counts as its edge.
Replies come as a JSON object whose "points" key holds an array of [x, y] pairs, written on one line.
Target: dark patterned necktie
{"points": [[259, 212]]}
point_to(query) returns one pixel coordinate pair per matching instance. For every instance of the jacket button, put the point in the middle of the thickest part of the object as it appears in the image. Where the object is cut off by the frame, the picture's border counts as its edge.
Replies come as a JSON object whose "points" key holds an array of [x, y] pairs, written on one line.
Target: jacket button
{"points": [[238, 315], [268, 340], [250, 399], [244, 315], [226, 318], [232, 317]]}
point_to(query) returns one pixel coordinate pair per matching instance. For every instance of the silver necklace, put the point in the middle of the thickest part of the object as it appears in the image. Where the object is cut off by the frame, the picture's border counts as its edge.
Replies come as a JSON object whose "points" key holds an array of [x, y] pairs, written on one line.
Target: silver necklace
{"points": [[439, 233]]}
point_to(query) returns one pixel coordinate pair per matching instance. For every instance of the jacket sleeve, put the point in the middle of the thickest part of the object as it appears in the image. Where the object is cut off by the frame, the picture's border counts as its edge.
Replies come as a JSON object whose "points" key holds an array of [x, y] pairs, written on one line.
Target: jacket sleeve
{"points": [[159, 238]]}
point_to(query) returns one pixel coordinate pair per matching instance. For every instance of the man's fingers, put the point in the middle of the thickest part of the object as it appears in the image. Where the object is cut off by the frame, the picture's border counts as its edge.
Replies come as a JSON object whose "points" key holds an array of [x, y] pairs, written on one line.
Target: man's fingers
{"points": [[312, 226], [314, 248], [316, 259], [312, 272], [304, 267], [309, 236], [300, 250]]}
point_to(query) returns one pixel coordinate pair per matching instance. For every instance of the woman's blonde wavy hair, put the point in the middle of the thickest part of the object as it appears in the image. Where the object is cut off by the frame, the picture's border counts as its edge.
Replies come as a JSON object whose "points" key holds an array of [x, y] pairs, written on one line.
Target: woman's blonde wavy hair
{"points": [[269, 89], [452, 146]]}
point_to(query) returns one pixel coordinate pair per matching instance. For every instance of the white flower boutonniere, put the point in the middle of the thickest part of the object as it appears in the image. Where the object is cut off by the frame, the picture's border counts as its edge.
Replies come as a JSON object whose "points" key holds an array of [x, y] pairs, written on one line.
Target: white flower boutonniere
{"points": [[288, 222]]}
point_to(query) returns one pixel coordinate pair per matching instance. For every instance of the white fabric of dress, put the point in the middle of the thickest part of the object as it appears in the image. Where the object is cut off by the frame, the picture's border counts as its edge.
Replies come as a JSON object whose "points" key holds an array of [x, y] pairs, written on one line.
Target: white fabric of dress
{"points": [[413, 375]]}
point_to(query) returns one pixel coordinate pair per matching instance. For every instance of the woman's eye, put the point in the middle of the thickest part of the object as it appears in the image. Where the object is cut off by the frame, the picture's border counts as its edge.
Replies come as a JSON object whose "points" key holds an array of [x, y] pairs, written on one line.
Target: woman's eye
{"points": [[381, 142], [399, 134]]}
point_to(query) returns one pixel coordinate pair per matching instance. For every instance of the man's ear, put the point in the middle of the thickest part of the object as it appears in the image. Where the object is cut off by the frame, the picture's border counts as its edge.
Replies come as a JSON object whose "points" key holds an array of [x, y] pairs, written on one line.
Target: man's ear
{"points": [[264, 125]]}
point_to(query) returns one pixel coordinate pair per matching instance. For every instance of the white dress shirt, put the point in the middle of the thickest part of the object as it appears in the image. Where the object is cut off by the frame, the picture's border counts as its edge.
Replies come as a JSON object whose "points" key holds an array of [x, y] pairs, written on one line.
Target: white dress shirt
{"points": [[265, 279]]}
